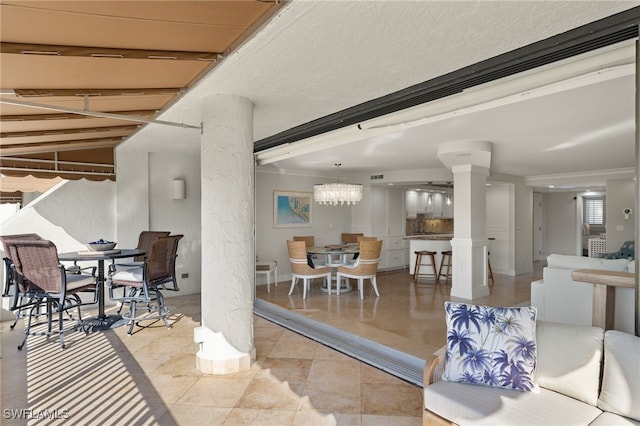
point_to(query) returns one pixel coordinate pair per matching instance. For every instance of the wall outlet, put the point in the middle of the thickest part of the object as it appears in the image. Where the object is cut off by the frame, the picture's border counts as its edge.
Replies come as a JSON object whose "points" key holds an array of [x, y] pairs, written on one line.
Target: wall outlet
{"points": [[620, 228], [184, 276]]}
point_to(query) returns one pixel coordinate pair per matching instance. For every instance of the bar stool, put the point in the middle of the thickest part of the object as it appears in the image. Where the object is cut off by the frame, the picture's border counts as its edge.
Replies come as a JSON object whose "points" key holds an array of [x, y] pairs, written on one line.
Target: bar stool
{"points": [[445, 261], [489, 262], [431, 255], [490, 271]]}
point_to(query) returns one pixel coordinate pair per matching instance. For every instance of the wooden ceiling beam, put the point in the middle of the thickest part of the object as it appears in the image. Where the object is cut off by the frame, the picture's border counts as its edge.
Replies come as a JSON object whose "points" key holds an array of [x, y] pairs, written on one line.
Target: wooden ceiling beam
{"points": [[69, 116], [34, 93], [68, 131], [103, 52], [46, 147]]}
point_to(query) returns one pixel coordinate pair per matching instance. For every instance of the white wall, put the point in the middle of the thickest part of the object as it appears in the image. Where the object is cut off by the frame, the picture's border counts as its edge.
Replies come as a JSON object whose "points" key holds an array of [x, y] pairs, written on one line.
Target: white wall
{"points": [[620, 195], [144, 195], [561, 234], [561, 220], [69, 214], [328, 222]]}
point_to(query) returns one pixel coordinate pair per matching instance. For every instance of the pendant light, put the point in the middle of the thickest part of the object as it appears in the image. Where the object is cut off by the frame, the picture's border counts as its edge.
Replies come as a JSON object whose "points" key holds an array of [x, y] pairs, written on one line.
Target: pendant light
{"points": [[337, 193]]}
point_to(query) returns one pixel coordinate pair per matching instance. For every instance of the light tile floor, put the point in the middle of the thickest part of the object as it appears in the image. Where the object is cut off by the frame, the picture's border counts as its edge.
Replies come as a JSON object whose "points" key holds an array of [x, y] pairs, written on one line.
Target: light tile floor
{"points": [[109, 378]]}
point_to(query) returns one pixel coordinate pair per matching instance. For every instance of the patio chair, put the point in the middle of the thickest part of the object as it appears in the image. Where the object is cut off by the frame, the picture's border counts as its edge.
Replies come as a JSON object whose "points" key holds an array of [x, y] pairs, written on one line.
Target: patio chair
{"points": [[141, 287], [145, 240], [9, 272], [302, 267], [365, 267], [43, 282]]}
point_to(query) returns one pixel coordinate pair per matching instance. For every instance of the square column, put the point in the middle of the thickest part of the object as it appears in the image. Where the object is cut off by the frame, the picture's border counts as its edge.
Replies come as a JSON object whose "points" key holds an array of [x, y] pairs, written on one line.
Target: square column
{"points": [[469, 243]]}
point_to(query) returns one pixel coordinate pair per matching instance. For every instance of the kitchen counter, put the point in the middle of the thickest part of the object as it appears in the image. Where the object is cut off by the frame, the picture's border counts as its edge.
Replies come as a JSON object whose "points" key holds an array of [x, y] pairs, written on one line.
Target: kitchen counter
{"points": [[436, 237], [431, 242]]}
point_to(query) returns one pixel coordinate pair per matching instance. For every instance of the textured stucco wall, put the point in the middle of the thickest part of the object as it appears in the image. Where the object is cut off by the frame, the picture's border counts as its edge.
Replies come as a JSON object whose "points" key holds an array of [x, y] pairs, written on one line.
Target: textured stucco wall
{"points": [[70, 214]]}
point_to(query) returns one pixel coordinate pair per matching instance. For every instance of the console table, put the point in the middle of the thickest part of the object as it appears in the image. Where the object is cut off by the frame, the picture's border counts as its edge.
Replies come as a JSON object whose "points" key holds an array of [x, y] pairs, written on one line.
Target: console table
{"points": [[604, 292]]}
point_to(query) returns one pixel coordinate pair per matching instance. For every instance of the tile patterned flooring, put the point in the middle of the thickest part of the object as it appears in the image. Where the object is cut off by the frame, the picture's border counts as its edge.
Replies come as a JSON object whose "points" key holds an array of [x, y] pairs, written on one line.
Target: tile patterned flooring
{"points": [[109, 378]]}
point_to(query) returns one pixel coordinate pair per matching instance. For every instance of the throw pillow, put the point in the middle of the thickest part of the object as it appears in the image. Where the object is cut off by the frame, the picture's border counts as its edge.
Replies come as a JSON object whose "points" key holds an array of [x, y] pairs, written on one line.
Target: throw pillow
{"points": [[491, 346], [620, 392]]}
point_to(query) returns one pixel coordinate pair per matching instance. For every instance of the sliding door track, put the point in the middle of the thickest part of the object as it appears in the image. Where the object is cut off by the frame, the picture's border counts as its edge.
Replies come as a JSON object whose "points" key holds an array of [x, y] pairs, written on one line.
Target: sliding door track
{"points": [[400, 364]]}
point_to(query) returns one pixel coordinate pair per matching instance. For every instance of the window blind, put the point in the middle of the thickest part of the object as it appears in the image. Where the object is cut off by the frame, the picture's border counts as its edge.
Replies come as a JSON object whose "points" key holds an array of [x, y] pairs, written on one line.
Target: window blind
{"points": [[594, 211]]}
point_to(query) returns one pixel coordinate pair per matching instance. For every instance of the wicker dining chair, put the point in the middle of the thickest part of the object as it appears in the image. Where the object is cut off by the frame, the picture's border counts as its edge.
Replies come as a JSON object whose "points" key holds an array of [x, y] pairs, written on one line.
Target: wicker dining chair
{"points": [[309, 240], [301, 268], [140, 288], [365, 267], [348, 238], [44, 282]]}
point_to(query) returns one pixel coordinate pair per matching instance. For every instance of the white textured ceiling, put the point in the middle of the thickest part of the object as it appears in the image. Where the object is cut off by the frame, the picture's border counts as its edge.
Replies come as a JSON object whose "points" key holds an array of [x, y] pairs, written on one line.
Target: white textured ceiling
{"points": [[318, 57]]}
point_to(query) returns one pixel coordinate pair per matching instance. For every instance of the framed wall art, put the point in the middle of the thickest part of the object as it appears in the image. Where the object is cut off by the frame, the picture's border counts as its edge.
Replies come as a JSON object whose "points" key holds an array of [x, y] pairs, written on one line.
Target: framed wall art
{"points": [[292, 209]]}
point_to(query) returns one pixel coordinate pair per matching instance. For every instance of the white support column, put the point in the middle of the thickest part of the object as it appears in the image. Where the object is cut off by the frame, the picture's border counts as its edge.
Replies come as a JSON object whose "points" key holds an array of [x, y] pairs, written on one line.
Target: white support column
{"points": [[469, 243], [227, 171], [469, 161]]}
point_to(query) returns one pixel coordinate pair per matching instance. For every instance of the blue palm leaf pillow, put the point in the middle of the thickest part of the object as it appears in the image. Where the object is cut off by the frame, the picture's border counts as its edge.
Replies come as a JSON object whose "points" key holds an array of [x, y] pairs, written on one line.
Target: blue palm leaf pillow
{"points": [[491, 346]]}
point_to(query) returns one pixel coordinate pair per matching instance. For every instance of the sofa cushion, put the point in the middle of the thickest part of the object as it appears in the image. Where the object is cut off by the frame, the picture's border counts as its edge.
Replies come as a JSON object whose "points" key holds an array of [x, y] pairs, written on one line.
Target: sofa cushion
{"points": [[491, 346], [620, 391], [469, 404], [581, 262], [569, 359], [610, 419]]}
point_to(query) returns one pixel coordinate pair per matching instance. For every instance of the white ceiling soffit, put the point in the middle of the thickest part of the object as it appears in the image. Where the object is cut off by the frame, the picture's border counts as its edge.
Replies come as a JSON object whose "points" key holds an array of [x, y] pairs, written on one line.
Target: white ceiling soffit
{"points": [[610, 63], [553, 121]]}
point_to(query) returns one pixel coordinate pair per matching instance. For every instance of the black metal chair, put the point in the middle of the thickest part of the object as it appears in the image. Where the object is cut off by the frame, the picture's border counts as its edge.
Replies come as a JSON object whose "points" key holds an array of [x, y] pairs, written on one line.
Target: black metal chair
{"points": [[142, 286], [43, 282]]}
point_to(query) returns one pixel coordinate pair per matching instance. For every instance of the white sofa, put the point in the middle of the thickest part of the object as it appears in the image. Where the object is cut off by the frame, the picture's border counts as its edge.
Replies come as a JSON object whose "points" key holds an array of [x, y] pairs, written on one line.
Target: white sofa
{"points": [[560, 299], [584, 376]]}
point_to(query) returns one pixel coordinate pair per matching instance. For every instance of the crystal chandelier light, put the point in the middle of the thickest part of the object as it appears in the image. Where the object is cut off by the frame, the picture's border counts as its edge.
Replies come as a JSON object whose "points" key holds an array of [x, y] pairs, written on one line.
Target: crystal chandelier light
{"points": [[337, 193]]}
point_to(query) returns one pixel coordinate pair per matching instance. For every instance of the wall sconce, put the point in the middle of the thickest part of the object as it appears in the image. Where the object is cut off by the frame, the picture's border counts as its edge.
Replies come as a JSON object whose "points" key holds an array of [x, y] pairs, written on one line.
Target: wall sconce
{"points": [[179, 189]]}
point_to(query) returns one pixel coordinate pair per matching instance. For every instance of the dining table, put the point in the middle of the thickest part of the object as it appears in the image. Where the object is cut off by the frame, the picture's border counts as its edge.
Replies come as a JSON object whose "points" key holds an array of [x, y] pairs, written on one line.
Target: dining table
{"points": [[336, 255], [102, 321]]}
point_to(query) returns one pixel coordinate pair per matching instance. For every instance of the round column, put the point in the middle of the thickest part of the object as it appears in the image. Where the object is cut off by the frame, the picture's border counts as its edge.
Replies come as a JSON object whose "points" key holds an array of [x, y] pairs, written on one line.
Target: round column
{"points": [[227, 172]]}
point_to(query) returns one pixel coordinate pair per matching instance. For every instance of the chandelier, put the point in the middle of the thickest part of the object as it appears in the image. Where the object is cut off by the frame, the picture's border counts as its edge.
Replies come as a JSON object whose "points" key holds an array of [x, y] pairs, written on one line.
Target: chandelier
{"points": [[337, 193]]}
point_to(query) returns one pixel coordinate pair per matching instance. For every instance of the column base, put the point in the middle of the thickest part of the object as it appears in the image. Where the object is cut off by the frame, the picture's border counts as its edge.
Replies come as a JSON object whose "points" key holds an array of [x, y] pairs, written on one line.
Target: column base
{"points": [[217, 356], [224, 366]]}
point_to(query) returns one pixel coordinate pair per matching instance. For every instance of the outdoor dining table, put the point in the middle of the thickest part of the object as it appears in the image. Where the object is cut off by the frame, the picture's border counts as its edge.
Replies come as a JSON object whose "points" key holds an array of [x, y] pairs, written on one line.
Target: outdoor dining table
{"points": [[336, 255], [102, 321]]}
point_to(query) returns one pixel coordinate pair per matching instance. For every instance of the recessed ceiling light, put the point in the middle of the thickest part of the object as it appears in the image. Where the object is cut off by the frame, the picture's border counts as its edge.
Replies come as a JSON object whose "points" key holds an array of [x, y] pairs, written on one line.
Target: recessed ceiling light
{"points": [[551, 186]]}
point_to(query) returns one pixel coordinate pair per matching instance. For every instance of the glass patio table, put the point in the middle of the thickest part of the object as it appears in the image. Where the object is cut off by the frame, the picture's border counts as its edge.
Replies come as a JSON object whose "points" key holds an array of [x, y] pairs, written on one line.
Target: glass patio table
{"points": [[102, 321], [336, 255]]}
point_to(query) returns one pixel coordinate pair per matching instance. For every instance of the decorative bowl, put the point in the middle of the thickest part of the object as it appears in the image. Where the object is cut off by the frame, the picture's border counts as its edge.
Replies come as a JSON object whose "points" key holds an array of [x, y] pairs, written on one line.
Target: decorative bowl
{"points": [[101, 245]]}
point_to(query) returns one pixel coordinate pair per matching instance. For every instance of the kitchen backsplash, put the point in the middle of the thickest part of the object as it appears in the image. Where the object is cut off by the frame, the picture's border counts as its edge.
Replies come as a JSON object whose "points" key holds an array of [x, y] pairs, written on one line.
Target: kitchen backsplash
{"points": [[422, 225]]}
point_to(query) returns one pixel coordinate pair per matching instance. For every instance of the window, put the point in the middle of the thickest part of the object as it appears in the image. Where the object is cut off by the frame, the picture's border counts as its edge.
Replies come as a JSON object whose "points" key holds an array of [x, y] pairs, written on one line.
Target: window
{"points": [[594, 211]]}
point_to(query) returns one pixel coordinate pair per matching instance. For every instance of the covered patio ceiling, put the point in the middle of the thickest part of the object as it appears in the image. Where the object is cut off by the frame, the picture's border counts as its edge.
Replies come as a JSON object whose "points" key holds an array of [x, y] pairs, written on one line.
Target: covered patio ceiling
{"points": [[79, 78]]}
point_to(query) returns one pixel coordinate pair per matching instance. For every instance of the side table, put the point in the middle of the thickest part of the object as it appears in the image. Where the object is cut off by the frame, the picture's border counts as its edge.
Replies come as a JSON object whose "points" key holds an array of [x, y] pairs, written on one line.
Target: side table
{"points": [[266, 268]]}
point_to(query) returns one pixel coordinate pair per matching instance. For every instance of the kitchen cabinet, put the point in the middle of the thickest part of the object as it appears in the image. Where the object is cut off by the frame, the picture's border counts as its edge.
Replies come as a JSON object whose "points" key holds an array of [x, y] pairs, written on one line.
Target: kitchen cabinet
{"points": [[382, 214], [411, 204], [423, 202], [417, 202], [440, 206]]}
